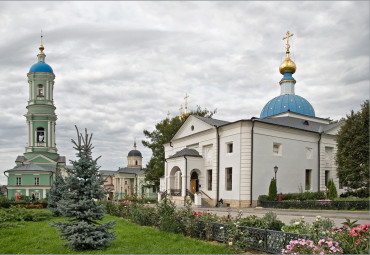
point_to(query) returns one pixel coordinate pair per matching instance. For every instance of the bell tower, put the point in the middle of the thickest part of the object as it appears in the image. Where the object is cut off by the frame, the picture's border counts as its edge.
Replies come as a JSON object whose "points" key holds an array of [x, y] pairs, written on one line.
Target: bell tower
{"points": [[41, 116]]}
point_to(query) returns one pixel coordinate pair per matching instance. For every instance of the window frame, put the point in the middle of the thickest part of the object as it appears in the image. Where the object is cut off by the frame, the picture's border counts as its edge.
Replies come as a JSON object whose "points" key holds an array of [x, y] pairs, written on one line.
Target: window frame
{"points": [[18, 181], [229, 147], [229, 178], [37, 181], [209, 179], [308, 179]]}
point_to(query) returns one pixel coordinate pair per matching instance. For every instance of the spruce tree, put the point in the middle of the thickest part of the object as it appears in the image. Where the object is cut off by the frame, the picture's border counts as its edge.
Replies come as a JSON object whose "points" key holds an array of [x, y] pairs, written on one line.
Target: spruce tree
{"points": [[85, 185], [57, 193], [272, 190]]}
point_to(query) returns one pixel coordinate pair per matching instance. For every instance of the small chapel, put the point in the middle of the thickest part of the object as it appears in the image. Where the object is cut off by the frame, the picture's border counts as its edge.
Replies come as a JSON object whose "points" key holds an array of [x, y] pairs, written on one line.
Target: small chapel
{"points": [[210, 160], [128, 181], [34, 172]]}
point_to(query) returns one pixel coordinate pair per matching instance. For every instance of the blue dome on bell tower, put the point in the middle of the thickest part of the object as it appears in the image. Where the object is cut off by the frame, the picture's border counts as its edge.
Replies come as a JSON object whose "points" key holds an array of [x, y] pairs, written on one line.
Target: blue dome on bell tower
{"points": [[287, 101], [41, 66]]}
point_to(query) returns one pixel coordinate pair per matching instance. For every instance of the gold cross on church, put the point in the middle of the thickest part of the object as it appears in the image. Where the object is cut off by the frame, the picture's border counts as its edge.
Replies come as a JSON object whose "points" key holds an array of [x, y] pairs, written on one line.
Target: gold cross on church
{"points": [[287, 41]]}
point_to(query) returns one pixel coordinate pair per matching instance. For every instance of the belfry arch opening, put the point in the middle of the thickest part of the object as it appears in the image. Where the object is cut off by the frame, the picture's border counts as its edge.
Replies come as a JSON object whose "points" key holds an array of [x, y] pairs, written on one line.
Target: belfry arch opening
{"points": [[40, 134]]}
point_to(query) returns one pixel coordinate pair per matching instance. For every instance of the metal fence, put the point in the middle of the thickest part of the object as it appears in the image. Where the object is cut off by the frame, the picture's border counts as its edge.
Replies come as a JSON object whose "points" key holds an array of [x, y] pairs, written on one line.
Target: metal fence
{"points": [[261, 239]]}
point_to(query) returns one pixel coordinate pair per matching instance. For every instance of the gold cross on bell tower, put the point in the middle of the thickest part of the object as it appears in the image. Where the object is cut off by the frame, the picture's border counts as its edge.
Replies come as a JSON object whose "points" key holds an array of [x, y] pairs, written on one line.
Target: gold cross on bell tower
{"points": [[186, 103], [287, 41], [168, 115]]}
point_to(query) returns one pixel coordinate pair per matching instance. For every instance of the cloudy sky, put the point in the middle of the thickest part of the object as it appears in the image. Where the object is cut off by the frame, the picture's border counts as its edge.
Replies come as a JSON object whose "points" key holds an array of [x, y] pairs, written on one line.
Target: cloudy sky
{"points": [[121, 66]]}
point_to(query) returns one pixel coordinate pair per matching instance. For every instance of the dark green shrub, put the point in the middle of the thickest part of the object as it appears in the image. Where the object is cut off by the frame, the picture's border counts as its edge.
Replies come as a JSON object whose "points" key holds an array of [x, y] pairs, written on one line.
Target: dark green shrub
{"points": [[263, 198], [272, 190], [332, 190]]}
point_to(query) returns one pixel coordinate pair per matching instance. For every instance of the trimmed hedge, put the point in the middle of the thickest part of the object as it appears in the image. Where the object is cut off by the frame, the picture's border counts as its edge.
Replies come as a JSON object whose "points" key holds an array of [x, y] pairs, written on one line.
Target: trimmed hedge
{"points": [[321, 205], [22, 204]]}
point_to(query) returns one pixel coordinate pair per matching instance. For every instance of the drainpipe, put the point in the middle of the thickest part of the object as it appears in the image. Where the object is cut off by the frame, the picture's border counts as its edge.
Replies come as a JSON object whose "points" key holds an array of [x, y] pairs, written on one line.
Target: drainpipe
{"points": [[218, 165], [252, 141], [318, 160], [186, 177], [136, 185]]}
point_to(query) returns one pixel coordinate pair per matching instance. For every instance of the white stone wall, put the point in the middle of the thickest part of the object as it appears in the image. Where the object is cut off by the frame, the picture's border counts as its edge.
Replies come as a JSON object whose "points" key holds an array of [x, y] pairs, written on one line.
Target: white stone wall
{"points": [[292, 163]]}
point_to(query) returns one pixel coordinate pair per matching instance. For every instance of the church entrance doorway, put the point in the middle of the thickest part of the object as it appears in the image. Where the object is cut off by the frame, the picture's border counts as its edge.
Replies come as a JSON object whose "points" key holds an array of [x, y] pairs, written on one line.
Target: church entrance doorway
{"points": [[194, 183]]}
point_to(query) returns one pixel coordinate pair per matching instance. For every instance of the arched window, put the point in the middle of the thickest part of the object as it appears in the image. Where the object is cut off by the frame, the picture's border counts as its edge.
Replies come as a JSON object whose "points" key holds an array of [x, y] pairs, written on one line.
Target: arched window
{"points": [[40, 90], [40, 135], [135, 162]]}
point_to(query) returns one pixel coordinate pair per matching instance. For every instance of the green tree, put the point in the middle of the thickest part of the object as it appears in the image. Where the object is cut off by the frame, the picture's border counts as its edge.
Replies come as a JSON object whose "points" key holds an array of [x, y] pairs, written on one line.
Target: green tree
{"points": [[85, 185], [163, 133], [332, 190], [57, 193], [353, 149], [272, 190]]}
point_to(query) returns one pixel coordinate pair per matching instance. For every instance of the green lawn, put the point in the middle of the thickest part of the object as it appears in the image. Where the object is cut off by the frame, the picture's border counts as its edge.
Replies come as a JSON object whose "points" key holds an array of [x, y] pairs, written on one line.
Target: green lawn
{"points": [[41, 238]]}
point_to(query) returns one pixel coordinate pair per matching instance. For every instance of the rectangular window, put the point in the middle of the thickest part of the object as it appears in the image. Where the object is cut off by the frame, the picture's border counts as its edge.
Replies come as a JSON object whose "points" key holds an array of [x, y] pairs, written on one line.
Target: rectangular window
{"points": [[37, 181], [340, 184], [209, 178], [229, 147], [308, 179], [229, 178], [327, 172], [18, 181], [276, 149], [154, 189], [309, 153]]}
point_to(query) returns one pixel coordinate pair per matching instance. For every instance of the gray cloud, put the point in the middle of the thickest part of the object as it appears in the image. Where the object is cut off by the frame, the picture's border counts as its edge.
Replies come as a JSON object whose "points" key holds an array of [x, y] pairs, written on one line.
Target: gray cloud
{"points": [[120, 66]]}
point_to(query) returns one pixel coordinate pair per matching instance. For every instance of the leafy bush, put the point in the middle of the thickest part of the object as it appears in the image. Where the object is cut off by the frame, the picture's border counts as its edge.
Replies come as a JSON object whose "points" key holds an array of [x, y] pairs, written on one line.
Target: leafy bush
{"points": [[354, 240], [268, 221], [142, 215], [169, 219], [320, 227], [361, 193]]}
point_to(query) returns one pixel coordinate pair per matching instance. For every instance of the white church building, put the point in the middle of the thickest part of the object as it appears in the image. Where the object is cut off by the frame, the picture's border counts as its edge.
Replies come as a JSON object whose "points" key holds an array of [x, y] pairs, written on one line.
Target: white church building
{"points": [[235, 161]]}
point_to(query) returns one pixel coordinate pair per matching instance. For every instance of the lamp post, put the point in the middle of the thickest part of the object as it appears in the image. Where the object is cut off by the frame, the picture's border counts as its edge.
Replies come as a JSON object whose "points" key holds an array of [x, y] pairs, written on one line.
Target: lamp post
{"points": [[275, 170]]}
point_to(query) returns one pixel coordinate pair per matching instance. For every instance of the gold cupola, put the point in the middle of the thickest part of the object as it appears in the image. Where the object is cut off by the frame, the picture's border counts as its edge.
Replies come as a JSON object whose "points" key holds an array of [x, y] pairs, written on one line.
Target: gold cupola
{"points": [[287, 66]]}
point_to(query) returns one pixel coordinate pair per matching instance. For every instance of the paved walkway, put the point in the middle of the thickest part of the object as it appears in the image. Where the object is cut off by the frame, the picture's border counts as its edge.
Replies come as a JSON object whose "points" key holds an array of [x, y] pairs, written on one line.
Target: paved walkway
{"points": [[286, 215]]}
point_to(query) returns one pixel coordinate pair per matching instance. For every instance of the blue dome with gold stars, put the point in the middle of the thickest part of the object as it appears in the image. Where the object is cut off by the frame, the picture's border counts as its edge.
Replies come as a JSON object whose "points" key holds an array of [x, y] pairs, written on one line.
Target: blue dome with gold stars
{"points": [[288, 102]]}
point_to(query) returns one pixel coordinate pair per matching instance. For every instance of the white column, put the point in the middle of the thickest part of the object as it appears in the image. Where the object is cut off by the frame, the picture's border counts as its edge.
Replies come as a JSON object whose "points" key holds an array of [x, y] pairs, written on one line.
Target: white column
{"points": [[52, 90], [43, 193], [29, 90], [28, 133], [47, 90], [33, 89], [183, 190], [27, 192], [49, 134], [31, 131], [53, 134]]}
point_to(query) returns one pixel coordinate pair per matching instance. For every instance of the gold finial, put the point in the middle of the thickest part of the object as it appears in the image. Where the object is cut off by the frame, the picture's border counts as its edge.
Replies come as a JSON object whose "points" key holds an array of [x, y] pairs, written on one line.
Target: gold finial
{"points": [[287, 41], [186, 103], [135, 143], [41, 48], [288, 66]]}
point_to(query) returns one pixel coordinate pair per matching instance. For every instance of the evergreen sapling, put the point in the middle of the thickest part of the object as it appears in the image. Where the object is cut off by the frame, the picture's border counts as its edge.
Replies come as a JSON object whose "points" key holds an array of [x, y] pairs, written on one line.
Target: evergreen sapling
{"points": [[84, 184], [57, 193]]}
